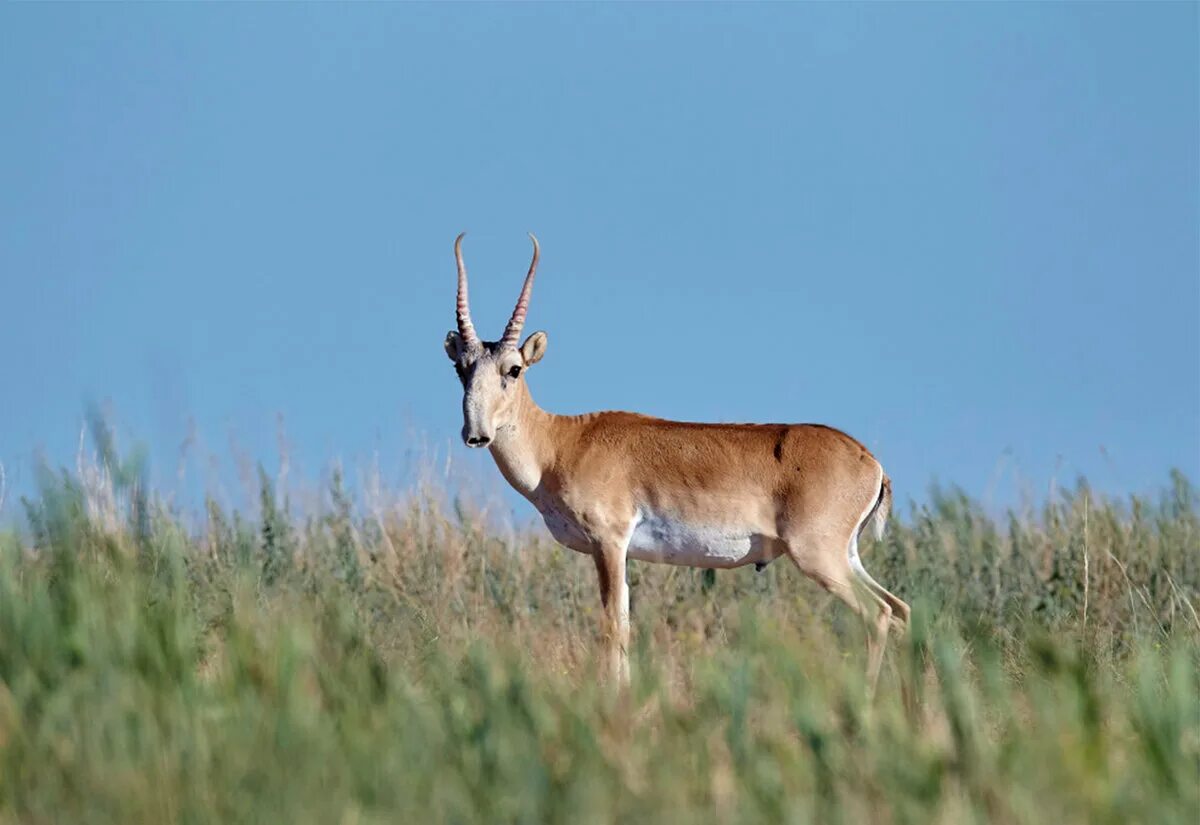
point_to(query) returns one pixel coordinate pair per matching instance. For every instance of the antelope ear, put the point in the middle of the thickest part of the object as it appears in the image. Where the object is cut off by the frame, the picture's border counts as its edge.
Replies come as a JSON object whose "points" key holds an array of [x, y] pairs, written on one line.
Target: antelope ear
{"points": [[453, 345], [534, 348]]}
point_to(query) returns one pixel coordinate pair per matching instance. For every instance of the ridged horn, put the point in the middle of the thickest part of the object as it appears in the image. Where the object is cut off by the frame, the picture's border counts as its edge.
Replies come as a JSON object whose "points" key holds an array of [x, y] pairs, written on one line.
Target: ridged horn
{"points": [[466, 329], [512, 332]]}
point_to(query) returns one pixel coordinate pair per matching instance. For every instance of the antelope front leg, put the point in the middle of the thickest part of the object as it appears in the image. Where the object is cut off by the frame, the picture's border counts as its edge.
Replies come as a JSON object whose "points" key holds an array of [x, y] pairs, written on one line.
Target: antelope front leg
{"points": [[614, 595]]}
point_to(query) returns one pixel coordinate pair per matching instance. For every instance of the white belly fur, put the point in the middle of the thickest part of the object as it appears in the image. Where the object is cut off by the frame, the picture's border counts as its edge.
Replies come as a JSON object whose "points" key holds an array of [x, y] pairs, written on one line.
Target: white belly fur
{"points": [[666, 539]]}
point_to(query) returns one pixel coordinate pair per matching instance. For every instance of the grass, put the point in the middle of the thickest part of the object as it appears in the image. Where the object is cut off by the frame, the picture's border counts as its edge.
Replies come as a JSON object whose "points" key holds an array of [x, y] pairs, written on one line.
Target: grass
{"points": [[407, 663]]}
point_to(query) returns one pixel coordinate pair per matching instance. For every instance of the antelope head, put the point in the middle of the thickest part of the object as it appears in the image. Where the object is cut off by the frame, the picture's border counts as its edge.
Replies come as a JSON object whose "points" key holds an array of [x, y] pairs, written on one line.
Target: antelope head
{"points": [[492, 372]]}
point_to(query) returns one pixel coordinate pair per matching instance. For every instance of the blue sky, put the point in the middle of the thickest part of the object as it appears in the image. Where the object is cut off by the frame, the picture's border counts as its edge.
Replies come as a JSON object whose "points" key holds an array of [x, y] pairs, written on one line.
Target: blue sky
{"points": [[966, 234]]}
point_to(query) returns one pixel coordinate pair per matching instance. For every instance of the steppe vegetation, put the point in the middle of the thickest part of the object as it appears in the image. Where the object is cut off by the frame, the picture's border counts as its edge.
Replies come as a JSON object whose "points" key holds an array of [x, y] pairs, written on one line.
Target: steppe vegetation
{"points": [[410, 661]]}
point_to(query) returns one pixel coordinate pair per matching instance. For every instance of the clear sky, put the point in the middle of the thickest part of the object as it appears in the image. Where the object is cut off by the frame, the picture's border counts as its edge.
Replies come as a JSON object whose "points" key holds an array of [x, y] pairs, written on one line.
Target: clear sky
{"points": [[966, 234]]}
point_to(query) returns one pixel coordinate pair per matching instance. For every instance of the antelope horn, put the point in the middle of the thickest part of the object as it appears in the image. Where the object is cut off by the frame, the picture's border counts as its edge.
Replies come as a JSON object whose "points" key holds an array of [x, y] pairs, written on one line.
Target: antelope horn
{"points": [[466, 329], [512, 332]]}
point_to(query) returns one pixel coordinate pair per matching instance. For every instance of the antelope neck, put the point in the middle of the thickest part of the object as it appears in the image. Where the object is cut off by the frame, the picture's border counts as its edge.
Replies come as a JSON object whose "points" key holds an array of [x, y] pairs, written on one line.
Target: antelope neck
{"points": [[524, 449]]}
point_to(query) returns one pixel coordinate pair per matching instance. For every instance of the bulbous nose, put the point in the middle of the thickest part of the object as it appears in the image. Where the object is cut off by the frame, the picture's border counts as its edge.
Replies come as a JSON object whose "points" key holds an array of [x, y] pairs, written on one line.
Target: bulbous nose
{"points": [[472, 437]]}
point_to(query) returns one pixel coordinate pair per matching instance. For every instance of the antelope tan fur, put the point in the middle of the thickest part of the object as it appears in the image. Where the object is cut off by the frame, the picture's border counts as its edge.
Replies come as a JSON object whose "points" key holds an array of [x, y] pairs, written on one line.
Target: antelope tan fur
{"points": [[619, 486]]}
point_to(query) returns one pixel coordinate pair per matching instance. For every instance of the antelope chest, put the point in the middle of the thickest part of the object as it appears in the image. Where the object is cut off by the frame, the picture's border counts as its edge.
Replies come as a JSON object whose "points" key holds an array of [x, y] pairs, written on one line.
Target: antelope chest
{"points": [[565, 529]]}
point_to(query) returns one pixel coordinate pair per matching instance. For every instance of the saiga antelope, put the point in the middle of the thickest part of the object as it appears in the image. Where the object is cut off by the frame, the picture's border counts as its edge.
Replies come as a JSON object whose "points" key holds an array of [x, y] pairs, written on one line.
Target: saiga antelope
{"points": [[619, 486]]}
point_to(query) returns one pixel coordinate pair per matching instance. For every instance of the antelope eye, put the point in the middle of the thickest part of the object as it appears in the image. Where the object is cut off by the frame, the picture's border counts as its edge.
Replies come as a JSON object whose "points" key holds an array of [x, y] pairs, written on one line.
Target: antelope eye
{"points": [[514, 372]]}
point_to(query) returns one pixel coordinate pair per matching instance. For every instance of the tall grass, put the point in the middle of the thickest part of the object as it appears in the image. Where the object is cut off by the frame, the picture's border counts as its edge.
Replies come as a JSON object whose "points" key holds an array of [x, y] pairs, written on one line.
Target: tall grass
{"points": [[406, 663]]}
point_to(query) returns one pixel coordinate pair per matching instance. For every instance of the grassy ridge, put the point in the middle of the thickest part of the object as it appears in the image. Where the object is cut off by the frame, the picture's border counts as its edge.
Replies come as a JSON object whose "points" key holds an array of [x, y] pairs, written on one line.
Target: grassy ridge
{"points": [[408, 664]]}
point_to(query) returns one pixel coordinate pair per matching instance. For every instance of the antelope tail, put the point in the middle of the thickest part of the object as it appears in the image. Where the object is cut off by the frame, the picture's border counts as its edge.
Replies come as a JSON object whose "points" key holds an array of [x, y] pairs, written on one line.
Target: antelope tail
{"points": [[878, 516]]}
